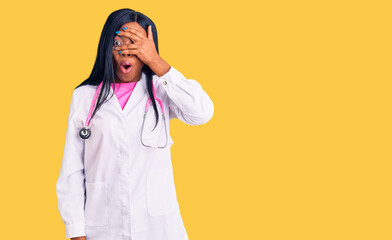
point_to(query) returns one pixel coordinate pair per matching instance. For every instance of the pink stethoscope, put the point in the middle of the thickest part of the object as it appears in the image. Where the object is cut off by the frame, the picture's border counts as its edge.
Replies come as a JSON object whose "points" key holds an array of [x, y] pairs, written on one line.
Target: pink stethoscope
{"points": [[85, 132]]}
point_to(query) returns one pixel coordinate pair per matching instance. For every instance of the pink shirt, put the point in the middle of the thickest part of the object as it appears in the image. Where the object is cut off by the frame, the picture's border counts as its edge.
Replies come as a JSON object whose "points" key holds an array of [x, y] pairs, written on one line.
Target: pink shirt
{"points": [[123, 91]]}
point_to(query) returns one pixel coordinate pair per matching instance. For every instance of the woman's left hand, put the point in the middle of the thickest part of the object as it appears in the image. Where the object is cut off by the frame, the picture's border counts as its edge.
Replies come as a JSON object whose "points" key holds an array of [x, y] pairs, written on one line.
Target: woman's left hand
{"points": [[143, 46]]}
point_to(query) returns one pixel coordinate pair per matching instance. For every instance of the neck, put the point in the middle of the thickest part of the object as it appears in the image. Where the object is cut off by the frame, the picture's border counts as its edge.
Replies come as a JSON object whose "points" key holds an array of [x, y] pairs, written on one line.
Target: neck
{"points": [[136, 79]]}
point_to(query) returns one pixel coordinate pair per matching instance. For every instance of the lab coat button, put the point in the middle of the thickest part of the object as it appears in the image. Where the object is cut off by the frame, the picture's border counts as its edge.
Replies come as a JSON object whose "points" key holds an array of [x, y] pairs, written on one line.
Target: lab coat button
{"points": [[164, 82]]}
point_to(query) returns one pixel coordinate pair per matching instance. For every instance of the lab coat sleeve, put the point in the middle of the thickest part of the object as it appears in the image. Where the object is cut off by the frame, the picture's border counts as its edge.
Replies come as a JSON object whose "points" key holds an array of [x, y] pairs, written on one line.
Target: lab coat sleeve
{"points": [[70, 185], [187, 99]]}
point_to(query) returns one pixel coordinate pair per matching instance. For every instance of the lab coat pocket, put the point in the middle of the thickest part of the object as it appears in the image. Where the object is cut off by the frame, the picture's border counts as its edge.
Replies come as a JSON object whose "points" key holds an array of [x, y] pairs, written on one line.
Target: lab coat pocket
{"points": [[161, 193], [96, 207]]}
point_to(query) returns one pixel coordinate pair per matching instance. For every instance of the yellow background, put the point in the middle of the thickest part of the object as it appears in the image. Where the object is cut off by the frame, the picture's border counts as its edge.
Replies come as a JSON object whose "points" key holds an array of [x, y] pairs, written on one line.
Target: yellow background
{"points": [[299, 146]]}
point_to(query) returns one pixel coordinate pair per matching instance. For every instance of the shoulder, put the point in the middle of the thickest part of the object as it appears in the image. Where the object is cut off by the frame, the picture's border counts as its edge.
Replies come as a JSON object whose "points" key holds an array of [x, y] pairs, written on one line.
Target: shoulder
{"points": [[83, 94], [83, 90]]}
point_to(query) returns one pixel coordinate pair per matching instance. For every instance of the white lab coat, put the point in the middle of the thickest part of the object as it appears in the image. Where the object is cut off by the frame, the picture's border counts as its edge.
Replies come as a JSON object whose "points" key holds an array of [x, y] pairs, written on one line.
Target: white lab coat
{"points": [[110, 186]]}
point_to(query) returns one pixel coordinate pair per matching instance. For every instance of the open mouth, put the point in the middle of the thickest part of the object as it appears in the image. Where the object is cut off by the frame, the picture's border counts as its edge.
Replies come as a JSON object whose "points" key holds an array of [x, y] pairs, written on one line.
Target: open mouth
{"points": [[126, 67]]}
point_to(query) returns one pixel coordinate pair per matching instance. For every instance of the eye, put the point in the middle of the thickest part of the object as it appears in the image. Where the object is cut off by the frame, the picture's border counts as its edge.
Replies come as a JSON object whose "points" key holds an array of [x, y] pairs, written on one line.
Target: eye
{"points": [[117, 43]]}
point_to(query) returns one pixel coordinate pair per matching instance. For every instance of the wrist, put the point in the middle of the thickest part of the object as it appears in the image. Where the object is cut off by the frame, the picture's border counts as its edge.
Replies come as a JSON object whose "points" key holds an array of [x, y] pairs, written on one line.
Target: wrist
{"points": [[155, 61], [159, 66]]}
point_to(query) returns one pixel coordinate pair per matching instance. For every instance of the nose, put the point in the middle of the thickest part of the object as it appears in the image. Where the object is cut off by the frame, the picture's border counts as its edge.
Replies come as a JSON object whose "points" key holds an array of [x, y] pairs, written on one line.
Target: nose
{"points": [[126, 54]]}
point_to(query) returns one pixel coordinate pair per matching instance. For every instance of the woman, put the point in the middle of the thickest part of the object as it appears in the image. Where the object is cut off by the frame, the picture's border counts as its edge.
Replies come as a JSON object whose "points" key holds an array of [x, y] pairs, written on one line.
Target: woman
{"points": [[116, 179]]}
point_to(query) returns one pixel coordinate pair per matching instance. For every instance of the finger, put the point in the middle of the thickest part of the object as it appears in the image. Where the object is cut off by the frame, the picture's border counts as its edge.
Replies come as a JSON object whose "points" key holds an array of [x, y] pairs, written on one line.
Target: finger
{"points": [[138, 31], [150, 32], [130, 46], [130, 51], [127, 47], [135, 31], [138, 28], [130, 35], [124, 35]]}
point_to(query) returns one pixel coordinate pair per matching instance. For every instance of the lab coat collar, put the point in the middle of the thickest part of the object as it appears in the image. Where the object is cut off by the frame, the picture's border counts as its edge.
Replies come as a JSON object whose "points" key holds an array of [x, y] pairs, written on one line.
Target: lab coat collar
{"points": [[137, 95]]}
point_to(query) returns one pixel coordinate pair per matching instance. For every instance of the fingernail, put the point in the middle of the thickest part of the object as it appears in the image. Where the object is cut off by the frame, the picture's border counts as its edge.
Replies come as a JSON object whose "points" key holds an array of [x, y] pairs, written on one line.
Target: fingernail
{"points": [[124, 28], [119, 52], [117, 32]]}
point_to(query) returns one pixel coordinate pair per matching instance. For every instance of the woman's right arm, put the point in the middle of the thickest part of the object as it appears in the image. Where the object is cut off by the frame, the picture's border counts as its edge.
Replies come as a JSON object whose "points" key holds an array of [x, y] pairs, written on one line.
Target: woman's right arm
{"points": [[70, 186]]}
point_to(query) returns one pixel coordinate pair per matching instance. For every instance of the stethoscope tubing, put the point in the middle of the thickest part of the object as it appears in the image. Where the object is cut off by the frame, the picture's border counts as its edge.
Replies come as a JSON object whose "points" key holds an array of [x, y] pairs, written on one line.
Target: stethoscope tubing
{"points": [[93, 103], [85, 132]]}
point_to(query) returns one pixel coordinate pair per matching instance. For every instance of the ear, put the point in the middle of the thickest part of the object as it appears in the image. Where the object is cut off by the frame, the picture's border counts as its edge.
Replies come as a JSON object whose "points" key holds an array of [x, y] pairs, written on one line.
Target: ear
{"points": [[149, 32]]}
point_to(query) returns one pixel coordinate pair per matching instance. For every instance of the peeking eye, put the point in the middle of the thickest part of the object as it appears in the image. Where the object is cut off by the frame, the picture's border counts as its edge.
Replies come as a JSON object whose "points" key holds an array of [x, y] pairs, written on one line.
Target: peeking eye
{"points": [[117, 43]]}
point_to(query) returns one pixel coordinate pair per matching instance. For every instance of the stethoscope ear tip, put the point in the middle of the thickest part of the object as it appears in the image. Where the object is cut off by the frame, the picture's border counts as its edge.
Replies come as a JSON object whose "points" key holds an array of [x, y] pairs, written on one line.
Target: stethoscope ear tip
{"points": [[84, 133]]}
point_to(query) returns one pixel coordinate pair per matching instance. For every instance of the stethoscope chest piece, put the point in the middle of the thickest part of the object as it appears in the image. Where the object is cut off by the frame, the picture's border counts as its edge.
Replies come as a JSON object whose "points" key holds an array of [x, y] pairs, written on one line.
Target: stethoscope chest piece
{"points": [[85, 133]]}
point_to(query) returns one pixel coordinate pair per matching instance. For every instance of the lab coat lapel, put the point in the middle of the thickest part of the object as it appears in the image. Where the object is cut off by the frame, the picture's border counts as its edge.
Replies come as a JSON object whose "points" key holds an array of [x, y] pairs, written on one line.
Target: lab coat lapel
{"points": [[137, 95]]}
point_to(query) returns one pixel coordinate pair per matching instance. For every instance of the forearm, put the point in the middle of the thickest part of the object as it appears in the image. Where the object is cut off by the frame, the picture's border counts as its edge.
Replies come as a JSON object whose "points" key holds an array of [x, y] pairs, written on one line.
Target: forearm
{"points": [[79, 238], [159, 66]]}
